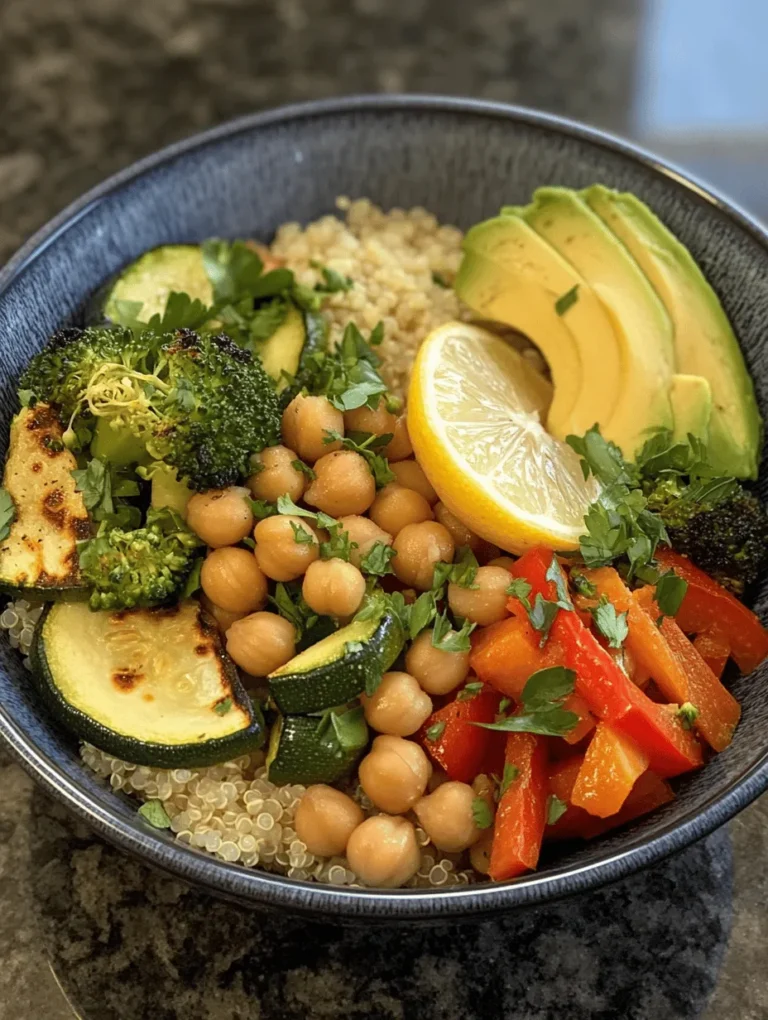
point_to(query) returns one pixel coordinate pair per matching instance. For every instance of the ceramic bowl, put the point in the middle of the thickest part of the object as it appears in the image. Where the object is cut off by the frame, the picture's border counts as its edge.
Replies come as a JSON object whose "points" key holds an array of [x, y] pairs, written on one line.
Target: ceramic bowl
{"points": [[462, 160]]}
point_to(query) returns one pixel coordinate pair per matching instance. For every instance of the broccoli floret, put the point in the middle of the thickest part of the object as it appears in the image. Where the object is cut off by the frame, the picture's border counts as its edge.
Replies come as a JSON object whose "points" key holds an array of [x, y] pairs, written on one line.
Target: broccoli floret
{"points": [[720, 526], [140, 568], [198, 403]]}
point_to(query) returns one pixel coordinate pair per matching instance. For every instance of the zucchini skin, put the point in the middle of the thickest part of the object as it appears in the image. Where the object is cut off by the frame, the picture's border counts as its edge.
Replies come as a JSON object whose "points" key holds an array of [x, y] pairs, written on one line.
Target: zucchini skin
{"points": [[32, 594], [300, 757], [342, 680], [315, 339], [138, 752]]}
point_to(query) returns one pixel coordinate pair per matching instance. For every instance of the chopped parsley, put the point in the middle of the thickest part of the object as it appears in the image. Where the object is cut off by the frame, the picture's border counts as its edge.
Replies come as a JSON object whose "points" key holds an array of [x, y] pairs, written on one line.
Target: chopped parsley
{"points": [[152, 811], [508, 776], [687, 714], [367, 445], [481, 813], [542, 705], [378, 560], [223, 707], [447, 639], [556, 808], [612, 625], [565, 301], [520, 589], [669, 593], [435, 731]]}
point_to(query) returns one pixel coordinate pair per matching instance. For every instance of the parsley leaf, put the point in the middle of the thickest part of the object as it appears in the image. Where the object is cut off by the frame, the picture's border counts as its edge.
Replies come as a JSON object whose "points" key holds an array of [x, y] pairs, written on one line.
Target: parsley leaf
{"points": [[152, 811], [447, 639], [509, 775], [300, 534], [339, 546], [260, 508], [348, 374], [192, 583], [542, 616], [554, 573], [546, 686], [333, 281], [267, 319], [470, 691], [290, 604], [556, 808], [285, 505], [687, 714], [181, 312], [7, 513], [435, 731], [542, 710], [422, 613], [440, 280], [223, 707], [565, 301], [366, 443], [95, 483], [481, 813], [305, 469], [612, 625], [670, 592], [378, 560], [582, 585], [520, 589]]}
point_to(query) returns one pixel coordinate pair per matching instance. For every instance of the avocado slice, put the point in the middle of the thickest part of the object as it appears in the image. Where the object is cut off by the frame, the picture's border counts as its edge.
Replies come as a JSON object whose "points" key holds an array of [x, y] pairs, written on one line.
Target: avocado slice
{"points": [[691, 399], [705, 343], [512, 275], [641, 324]]}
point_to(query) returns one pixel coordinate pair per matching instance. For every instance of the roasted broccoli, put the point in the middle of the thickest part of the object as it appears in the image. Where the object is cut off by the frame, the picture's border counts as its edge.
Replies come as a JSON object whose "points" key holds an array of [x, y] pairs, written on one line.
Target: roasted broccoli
{"points": [[198, 403], [145, 567], [719, 525]]}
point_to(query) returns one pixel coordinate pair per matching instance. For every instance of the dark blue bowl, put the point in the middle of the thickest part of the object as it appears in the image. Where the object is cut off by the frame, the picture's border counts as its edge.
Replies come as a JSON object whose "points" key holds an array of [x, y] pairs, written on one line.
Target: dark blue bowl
{"points": [[462, 160]]}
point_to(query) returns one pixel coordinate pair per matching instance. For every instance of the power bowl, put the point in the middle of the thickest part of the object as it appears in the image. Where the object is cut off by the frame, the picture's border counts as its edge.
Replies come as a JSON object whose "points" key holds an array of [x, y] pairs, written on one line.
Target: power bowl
{"points": [[462, 160]]}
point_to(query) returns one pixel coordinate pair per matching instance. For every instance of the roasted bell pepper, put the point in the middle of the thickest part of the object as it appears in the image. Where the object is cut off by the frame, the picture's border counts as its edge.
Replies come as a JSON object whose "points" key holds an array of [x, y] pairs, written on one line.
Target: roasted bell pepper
{"points": [[574, 822], [715, 650], [610, 694], [459, 748], [575, 703], [612, 764], [718, 710], [648, 793], [507, 653], [708, 607], [522, 812]]}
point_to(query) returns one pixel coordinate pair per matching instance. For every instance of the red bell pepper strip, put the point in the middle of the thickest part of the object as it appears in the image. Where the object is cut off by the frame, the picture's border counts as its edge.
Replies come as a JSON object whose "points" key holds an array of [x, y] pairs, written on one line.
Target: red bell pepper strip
{"points": [[507, 653], [574, 822], [708, 607], [610, 694], [719, 712], [612, 765], [460, 749], [715, 650], [522, 812]]}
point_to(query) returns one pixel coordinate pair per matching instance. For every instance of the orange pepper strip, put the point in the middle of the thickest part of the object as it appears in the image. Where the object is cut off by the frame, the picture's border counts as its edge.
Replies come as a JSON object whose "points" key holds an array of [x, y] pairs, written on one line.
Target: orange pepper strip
{"points": [[612, 764], [715, 650], [719, 711], [507, 653], [708, 607], [575, 703], [522, 813], [648, 793]]}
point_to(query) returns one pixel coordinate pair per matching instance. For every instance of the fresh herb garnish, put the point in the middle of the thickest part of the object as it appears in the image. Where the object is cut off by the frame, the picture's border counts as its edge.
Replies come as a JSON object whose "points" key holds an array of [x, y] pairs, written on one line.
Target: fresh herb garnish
{"points": [[565, 301], [377, 562], [542, 615], [555, 574], [260, 508], [343, 729], [481, 813], [461, 572], [435, 731], [348, 374], [542, 710], [469, 691], [421, 613], [440, 280], [7, 513], [447, 639], [582, 585], [556, 808], [508, 776], [339, 546], [612, 625], [290, 604], [333, 281], [520, 589], [366, 444], [95, 483], [152, 811], [192, 583], [687, 714], [305, 469], [669, 593], [223, 707], [300, 534]]}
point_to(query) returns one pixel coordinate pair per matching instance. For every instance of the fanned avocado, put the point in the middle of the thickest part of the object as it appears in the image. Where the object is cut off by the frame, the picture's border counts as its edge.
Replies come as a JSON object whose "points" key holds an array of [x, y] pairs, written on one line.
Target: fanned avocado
{"points": [[691, 398]]}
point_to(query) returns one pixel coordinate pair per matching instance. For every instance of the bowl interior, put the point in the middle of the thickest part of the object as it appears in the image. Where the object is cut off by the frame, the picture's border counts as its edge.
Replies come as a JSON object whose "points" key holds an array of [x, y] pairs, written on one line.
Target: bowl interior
{"points": [[462, 163]]}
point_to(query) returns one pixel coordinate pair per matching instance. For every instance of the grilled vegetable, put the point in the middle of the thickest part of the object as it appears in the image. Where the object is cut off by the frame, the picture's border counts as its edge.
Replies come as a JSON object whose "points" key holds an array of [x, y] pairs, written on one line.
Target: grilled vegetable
{"points": [[310, 749]]}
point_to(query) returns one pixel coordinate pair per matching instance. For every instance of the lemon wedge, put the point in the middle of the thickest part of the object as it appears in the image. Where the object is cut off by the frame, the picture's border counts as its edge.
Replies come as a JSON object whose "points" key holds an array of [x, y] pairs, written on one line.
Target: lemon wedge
{"points": [[475, 411]]}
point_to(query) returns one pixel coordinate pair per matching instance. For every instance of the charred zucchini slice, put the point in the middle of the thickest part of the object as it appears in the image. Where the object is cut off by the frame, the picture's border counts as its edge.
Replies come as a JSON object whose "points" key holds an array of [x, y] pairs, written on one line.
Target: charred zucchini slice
{"points": [[151, 278], [316, 749]]}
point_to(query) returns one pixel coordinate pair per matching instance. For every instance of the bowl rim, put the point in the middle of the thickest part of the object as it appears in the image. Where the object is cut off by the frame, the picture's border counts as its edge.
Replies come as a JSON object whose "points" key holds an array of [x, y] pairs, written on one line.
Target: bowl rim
{"points": [[250, 886]]}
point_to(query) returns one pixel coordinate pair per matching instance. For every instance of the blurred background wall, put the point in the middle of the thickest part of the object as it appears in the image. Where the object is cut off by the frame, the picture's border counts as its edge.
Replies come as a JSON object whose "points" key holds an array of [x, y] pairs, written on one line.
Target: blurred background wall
{"points": [[87, 86]]}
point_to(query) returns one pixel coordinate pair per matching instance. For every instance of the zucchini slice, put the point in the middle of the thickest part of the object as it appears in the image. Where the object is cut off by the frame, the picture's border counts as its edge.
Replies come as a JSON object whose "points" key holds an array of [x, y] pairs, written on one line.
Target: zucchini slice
{"points": [[282, 351], [307, 749], [38, 559], [338, 668], [151, 278], [151, 686]]}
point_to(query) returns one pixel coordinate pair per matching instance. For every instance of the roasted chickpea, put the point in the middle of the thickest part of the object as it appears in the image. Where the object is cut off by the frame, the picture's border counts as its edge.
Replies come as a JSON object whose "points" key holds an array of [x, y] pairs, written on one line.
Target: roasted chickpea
{"points": [[419, 547], [399, 447], [232, 579], [364, 534], [480, 853], [333, 587], [383, 852], [220, 516], [278, 553], [223, 617], [379, 421], [411, 475], [344, 484], [325, 819], [459, 532], [306, 424], [274, 475], [446, 817], [398, 707], [261, 642], [484, 603], [395, 507], [438, 672], [394, 774], [502, 561]]}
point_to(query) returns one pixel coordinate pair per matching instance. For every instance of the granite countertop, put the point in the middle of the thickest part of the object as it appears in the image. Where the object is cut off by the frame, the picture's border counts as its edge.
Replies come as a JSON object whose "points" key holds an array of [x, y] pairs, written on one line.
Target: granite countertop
{"points": [[88, 86]]}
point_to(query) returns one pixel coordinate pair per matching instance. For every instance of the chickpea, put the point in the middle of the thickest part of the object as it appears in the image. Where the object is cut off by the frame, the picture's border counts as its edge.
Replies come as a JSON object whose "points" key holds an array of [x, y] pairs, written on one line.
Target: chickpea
{"points": [[480, 853], [411, 475], [459, 532], [502, 561], [232, 579], [398, 707], [261, 642], [379, 421], [307, 422], [486, 603], [438, 672], [383, 852], [325, 819], [223, 617], [395, 507], [399, 447], [220, 516], [278, 553], [275, 475], [446, 817], [344, 484], [419, 547], [333, 587], [365, 534], [394, 774]]}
